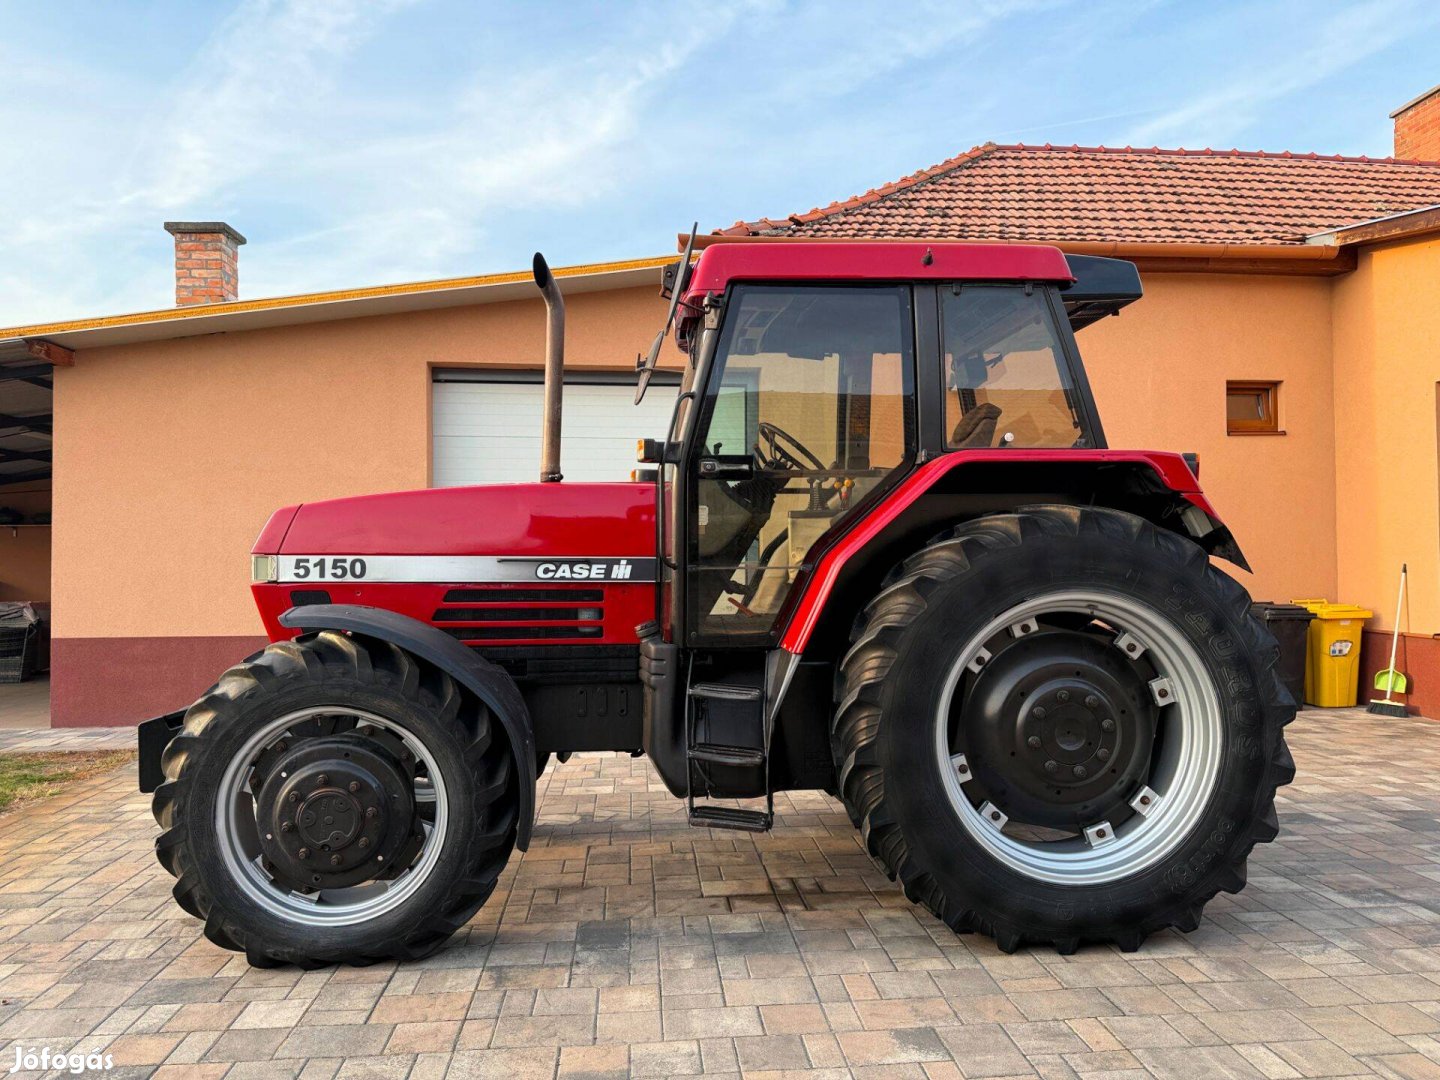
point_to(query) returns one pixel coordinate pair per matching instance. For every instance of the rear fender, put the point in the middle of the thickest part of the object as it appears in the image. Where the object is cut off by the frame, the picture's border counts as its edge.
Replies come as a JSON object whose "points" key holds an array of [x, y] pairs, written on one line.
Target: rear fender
{"points": [[956, 487], [485, 680]]}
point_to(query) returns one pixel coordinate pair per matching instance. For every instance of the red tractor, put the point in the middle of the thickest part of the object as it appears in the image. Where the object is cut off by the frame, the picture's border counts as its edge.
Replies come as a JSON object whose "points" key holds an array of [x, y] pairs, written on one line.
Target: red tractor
{"points": [[883, 551]]}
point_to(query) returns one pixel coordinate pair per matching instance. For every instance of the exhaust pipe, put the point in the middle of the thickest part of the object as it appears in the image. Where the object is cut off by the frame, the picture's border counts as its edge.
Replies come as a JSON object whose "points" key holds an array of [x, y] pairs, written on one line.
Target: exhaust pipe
{"points": [[554, 371]]}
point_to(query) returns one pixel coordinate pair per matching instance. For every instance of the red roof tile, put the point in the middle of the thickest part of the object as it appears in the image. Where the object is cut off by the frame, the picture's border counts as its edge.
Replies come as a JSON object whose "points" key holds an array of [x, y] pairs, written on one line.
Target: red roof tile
{"points": [[1076, 193]]}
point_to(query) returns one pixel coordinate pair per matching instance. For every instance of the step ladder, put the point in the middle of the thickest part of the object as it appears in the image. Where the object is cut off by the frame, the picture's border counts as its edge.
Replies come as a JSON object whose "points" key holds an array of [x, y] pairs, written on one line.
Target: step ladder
{"points": [[702, 698]]}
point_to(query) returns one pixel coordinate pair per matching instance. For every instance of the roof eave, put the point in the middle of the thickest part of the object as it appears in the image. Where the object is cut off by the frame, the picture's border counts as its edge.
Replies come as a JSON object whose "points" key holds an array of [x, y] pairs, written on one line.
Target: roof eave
{"points": [[327, 306], [1408, 223]]}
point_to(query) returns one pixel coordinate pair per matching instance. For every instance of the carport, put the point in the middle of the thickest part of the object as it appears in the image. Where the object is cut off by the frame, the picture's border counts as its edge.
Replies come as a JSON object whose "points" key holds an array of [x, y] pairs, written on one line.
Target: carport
{"points": [[26, 471]]}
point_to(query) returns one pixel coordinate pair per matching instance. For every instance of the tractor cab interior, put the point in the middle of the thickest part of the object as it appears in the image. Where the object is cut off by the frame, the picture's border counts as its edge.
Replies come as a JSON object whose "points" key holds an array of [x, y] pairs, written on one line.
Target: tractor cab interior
{"points": [[810, 410]]}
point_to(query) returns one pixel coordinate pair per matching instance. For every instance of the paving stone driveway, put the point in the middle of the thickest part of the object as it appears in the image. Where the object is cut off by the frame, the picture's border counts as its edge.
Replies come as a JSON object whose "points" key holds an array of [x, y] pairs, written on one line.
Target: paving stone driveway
{"points": [[626, 943]]}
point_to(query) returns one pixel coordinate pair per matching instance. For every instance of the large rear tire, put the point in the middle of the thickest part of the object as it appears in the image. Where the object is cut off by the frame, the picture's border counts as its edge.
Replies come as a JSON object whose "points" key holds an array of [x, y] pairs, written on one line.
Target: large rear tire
{"points": [[333, 800], [1061, 726]]}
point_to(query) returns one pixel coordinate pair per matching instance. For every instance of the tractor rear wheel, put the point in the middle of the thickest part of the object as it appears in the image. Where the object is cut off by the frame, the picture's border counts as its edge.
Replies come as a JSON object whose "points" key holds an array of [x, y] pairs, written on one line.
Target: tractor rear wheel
{"points": [[1062, 725], [334, 800]]}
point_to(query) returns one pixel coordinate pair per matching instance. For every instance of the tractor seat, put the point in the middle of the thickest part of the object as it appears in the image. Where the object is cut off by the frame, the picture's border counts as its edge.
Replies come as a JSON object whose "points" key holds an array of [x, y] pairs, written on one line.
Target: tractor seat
{"points": [[976, 428]]}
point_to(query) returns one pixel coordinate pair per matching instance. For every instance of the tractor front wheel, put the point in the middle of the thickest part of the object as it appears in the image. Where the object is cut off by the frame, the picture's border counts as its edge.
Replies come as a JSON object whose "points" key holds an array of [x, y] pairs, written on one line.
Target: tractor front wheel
{"points": [[1062, 725], [333, 800]]}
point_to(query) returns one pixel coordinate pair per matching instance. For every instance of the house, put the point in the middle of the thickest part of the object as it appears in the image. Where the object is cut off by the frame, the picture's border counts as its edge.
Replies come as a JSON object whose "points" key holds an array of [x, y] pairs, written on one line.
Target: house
{"points": [[1289, 336]]}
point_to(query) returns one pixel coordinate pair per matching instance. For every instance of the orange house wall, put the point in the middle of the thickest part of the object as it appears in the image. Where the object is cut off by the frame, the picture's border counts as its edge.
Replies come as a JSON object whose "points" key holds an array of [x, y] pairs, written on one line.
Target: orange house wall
{"points": [[170, 456], [1387, 406], [1159, 372]]}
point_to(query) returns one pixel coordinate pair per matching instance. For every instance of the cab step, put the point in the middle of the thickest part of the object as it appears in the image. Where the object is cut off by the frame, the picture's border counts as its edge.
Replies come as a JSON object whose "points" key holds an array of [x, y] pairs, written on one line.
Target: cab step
{"points": [[735, 756], [725, 731], [726, 692], [731, 817]]}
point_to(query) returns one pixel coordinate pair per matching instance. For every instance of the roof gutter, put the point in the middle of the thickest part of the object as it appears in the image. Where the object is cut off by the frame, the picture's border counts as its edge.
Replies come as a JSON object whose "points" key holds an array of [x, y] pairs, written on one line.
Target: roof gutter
{"points": [[197, 312]]}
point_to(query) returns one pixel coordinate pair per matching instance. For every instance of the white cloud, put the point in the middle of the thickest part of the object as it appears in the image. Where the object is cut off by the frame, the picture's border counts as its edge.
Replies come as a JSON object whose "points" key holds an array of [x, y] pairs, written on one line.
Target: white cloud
{"points": [[300, 123], [261, 81], [268, 112], [1263, 73]]}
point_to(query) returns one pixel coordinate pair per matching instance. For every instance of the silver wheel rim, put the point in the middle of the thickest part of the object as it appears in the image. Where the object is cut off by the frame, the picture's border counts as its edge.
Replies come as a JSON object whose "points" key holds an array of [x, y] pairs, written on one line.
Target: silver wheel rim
{"points": [[1184, 770], [329, 907]]}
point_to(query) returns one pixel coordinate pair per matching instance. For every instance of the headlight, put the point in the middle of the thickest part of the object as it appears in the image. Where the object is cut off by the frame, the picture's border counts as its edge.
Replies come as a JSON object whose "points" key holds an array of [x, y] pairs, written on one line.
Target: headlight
{"points": [[264, 568]]}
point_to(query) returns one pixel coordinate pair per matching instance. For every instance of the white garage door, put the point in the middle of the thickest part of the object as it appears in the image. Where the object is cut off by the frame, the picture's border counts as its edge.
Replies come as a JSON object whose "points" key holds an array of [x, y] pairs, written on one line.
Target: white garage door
{"points": [[488, 432]]}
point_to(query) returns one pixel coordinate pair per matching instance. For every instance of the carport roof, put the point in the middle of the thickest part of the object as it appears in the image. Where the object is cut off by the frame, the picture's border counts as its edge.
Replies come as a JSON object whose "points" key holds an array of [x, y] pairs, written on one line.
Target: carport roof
{"points": [[25, 424]]}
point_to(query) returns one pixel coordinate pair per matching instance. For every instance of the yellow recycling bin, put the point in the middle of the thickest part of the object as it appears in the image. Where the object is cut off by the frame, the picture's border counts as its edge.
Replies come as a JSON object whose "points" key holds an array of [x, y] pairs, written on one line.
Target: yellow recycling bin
{"points": [[1332, 660]]}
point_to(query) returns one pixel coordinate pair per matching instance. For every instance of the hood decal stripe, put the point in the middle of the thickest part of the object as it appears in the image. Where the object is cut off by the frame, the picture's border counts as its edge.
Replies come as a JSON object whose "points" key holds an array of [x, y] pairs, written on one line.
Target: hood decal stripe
{"points": [[465, 569]]}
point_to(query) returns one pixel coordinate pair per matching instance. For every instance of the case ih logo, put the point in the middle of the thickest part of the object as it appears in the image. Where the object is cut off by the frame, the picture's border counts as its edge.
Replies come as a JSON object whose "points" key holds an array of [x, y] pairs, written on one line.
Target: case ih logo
{"points": [[608, 570]]}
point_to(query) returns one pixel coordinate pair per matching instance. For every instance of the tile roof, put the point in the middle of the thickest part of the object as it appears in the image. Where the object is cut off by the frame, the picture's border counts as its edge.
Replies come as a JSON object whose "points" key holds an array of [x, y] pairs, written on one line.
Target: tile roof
{"points": [[1078, 193]]}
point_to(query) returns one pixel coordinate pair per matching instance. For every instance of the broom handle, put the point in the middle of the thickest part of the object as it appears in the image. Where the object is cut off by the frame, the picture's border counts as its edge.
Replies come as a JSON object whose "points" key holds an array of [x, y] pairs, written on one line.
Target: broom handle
{"points": [[1395, 635]]}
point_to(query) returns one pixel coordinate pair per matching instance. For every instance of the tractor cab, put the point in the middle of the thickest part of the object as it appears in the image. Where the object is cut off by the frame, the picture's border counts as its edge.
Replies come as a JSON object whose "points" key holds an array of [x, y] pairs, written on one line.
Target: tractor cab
{"points": [[819, 377]]}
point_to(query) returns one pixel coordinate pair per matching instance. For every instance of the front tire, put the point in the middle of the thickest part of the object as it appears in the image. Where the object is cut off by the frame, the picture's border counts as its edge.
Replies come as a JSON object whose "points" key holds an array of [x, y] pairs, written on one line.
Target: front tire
{"points": [[1062, 726], [332, 800]]}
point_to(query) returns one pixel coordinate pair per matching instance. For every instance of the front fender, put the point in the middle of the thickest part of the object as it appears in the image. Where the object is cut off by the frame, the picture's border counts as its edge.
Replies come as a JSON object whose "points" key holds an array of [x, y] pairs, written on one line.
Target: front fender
{"points": [[485, 680]]}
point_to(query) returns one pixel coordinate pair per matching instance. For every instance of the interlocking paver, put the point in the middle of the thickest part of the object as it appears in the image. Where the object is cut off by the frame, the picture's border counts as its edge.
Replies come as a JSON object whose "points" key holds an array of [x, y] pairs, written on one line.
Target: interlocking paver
{"points": [[624, 943]]}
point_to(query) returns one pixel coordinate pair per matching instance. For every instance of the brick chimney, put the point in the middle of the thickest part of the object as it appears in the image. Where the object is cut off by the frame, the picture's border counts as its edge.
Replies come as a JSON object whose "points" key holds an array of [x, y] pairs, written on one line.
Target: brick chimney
{"points": [[1417, 127], [206, 256]]}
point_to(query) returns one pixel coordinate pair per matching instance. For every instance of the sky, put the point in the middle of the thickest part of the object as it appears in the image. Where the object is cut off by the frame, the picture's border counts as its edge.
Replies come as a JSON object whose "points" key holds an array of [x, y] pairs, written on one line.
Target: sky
{"points": [[362, 142]]}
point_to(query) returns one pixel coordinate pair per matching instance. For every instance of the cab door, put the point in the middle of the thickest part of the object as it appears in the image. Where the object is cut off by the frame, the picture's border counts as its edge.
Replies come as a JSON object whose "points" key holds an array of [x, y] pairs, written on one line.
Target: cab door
{"points": [[806, 415]]}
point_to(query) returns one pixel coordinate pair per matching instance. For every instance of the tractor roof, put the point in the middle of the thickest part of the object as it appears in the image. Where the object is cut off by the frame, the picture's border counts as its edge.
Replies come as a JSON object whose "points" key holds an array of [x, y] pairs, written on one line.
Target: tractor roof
{"points": [[720, 264]]}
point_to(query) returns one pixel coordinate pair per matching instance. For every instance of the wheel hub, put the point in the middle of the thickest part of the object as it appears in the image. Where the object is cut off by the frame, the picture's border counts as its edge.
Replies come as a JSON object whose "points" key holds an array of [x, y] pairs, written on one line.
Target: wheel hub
{"points": [[1058, 729], [334, 812]]}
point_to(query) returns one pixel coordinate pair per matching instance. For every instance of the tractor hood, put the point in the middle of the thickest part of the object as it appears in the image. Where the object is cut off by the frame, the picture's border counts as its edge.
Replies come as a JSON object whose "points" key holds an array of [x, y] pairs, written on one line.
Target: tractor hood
{"points": [[527, 520], [503, 565]]}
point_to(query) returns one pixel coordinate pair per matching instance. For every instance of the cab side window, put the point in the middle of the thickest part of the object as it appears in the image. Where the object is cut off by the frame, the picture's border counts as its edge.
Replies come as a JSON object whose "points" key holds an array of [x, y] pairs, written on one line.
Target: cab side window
{"points": [[1007, 383]]}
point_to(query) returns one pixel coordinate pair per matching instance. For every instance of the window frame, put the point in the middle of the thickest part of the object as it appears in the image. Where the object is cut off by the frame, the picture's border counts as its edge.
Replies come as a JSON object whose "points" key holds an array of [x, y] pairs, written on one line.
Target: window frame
{"points": [[1269, 392]]}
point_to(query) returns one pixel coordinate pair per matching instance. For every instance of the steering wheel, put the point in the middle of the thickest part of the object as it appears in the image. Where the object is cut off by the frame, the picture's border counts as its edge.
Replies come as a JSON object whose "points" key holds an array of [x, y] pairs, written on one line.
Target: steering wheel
{"points": [[771, 454]]}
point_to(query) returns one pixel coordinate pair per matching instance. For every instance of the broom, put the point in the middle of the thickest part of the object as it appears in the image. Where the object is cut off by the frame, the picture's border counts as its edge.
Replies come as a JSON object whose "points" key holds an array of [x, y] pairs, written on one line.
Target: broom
{"points": [[1390, 680]]}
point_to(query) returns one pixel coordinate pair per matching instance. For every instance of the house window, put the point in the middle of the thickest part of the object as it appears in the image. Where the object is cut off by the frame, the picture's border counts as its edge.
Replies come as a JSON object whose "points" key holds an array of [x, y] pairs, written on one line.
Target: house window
{"points": [[1252, 408]]}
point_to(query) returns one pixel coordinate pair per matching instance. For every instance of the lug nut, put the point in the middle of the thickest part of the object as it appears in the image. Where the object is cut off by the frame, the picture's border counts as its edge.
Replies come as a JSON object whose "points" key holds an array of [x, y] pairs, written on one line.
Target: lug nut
{"points": [[1091, 701], [1107, 724], [1079, 771], [304, 853], [364, 841], [334, 860], [354, 786], [1063, 695], [1103, 753], [294, 796], [1033, 742], [370, 812], [1051, 766], [323, 779], [287, 826], [1038, 712]]}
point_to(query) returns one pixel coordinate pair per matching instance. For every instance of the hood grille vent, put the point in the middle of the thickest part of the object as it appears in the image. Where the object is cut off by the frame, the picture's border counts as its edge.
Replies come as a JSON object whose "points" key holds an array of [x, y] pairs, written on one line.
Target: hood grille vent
{"points": [[480, 614]]}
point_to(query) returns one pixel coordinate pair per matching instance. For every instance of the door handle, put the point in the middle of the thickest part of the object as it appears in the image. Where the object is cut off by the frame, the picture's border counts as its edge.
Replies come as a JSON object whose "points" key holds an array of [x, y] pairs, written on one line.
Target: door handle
{"points": [[711, 469]]}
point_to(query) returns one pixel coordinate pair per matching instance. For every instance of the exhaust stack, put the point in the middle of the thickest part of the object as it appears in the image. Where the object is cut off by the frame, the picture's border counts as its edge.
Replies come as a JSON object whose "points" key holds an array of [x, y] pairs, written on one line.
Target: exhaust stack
{"points": [[554, 371]]}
